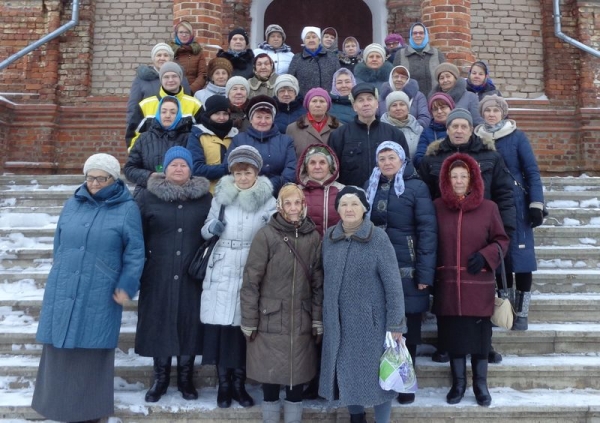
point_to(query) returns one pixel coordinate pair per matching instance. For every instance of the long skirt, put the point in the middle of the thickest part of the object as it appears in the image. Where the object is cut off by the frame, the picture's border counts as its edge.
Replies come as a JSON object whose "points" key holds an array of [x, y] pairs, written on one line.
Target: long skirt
{"points": [[464, 335], [75, 384], [224, 346]]}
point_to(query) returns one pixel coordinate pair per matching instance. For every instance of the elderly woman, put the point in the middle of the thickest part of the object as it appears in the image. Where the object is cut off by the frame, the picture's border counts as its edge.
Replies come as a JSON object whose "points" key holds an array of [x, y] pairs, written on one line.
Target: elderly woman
{"points": [[341, 88], [173, 209], [237, 90], [276, 149], [440, 105], [393, 43], [316, 125], [248, 203], [401, 205], [469, 232], [450, 82], [479, 81], [374, 69], [315, 66], [238, 53], [329, 39], [281, 299], [263, 81], [362, 300], [189, 55], [400, 81], [279, 52], [219, 71], [528, 193], [98, 261], [397, 105], [289, 102], [351, 54]]}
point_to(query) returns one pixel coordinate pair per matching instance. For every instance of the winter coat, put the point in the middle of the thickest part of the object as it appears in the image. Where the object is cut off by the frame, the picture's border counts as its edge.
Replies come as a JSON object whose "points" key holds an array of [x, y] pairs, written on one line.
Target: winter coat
{"points": [[418, 101], [242, 63], [412, 132], [355, 145], [377, 77], [208, 151], [515, 149], [434, 132], [281, 56], [488, 88], [191, 59], [148, 153], [277, 151], [304, 134], [313, 72], [497, 182], [282, 302], [320, 197], [349, 62], [410, 223], [288, 113], [245, 212], [465, 228], [362, 300], [341, 108], [169, 302], [258, 87], [98, 247], [421, 65], [463, 99], [208, 91]]}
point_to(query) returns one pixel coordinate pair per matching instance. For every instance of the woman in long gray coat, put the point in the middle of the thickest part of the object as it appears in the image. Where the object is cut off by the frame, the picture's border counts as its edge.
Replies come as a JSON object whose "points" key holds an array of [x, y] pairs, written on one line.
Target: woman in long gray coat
{"points": [[362, 299]]}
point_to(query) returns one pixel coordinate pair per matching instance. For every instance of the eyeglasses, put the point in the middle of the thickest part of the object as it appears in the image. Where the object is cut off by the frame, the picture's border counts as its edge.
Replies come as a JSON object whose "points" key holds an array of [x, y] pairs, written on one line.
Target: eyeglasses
{"points": [[439, 108], [99, 179]]}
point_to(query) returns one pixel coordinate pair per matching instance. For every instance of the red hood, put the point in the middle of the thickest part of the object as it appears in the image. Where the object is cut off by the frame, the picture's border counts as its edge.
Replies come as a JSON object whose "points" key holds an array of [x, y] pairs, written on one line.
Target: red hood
{"points": [[302, 176], [475, 195]]}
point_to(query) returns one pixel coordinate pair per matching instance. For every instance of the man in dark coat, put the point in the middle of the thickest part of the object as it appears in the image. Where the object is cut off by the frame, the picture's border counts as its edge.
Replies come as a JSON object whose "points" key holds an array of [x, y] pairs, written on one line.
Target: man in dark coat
{"points": [[355, 143]]}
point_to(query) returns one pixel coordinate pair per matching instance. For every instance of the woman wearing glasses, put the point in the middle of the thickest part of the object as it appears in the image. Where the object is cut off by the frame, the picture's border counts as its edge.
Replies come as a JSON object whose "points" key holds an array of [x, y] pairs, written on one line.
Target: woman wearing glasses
{"points": [[98, 261], [189, 55]]}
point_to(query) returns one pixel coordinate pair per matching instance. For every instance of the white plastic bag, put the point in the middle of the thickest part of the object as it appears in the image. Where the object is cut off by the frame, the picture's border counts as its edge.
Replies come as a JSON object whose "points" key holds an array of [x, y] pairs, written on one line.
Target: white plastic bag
{"points": [[396, 370]]}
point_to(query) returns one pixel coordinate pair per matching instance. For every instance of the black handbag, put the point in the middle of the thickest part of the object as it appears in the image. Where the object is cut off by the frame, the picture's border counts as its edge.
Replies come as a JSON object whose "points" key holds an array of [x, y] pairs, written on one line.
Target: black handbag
{"points": [[199, 264]]}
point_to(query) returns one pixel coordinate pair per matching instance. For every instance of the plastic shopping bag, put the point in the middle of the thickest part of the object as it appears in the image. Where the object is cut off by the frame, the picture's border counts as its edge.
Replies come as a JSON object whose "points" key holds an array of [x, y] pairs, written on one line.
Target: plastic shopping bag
{"points": [[396, 370]]}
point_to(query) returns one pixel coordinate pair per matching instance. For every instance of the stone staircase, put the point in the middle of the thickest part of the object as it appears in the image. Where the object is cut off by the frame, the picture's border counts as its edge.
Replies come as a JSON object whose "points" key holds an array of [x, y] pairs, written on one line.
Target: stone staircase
{"points": [[550, 373]]}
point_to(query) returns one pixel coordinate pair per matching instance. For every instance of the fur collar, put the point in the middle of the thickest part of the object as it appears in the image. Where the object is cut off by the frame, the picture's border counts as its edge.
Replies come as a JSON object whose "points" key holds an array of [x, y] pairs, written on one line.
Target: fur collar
{"points": [[509, 127], [249, 200], [363, 234], [474, 145], [456, 92], [475, 196], [366, 74], [193, 189], [256, 83]]}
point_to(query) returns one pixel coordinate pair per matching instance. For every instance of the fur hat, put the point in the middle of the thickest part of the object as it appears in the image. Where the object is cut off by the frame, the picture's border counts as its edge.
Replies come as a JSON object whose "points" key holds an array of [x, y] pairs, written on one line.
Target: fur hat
{"points": [[219, 63], [261, 102], [162, 46], [245, 154], [214, 104], [236, 80], [493, 100], [446, 67], [396, 96], [274, 28], [459, 113], [238, 31], [374, 48], [177, 152], [353, 190], [308, 29], [171, 67], [104, 162], [286, 80], [316, 92], [441, 97]]}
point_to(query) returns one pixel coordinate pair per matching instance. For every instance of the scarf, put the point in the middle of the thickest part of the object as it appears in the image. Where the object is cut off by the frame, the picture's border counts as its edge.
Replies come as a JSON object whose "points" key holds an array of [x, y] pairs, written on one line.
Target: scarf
{"points": [[419, 47], [220, 129], [314, 53], [315, 124], [373, 183], [494, 128], [398, 123], [268, 47]]}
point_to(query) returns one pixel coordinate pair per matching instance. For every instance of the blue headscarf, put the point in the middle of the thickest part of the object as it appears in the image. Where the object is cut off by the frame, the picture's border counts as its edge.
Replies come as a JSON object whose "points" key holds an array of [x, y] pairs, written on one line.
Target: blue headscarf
{"points": [[425, 40], [376, 174], [177, 118]]}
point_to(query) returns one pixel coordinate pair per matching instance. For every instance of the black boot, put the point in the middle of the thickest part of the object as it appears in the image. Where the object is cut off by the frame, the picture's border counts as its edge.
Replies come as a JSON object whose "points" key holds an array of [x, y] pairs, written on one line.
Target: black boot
{"points": [[185, 377], [440, 356], [494, 357], [162, 374], [479, 366], [409, 398], [312, 390], [358, 418], [224, 392], [458, 367], [238, 392]]}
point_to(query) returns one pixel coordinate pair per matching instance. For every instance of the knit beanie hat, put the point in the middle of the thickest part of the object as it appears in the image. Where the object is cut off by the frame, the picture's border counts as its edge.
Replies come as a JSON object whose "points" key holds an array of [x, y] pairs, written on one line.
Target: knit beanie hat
{"points": [[171, 67], [396, 96], [308, 29], [236, 80], [353, 190], [442, 97], [162, 46], [287, 80], [374, 48], [394, 38], [493, 100], [214, 104], [274, 28], [446, 67], [261, 102], [219, 63], [104, 162], [238, 31], [245, 154], [177, 152], [312, 150], [459, 113], [316, 92]]}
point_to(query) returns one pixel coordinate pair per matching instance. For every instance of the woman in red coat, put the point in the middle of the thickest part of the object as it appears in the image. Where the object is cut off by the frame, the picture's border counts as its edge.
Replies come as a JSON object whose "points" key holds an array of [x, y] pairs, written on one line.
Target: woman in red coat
{"points": [[469, 232]]}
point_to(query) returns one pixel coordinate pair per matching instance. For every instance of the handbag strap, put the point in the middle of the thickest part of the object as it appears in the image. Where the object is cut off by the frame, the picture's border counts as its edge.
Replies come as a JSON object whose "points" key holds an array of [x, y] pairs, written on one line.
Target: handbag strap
{"points": [[222, 212], [307, 272], [502, 269]]}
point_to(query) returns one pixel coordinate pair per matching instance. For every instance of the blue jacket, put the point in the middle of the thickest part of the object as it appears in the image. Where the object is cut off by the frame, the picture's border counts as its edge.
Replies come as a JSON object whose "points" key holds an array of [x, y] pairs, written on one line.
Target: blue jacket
{"points": [[435, 131], [341, 108], [288, 113], [98, 247]]}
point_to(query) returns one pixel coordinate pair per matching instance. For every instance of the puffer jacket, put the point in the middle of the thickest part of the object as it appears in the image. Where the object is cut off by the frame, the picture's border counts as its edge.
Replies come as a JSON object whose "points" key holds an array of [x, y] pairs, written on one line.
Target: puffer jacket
{"points": [[242, 63], [98, 247], [282, 301], [316, 71], [208, 91], [341, 108], [281, 56], [288, 113], [191, 59], [434, 132]]}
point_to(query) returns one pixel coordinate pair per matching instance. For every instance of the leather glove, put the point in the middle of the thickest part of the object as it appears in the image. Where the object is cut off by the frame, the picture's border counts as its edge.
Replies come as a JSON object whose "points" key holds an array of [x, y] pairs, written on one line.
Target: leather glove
{"points": [[475, 263], [318, 336], [536, 216], [216, 227]]}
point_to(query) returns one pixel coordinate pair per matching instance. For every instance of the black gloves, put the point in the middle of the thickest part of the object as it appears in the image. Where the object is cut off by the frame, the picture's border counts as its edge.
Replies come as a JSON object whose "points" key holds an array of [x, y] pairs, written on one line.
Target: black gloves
{"points": [[476, 263], [536, 216]]}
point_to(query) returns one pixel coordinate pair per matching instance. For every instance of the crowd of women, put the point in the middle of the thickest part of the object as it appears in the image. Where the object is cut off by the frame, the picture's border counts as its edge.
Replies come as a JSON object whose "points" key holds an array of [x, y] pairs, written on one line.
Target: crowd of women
{"points": [[307, 275]]}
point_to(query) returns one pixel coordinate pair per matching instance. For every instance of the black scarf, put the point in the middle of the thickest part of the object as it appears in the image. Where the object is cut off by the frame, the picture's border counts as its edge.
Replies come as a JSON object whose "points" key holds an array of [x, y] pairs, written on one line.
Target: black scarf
{"points": [[220, 129]]}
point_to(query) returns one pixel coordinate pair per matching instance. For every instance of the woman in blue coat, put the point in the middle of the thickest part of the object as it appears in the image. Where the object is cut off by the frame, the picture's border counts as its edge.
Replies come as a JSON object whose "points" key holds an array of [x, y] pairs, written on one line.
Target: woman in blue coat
{"points": [[401, 205], [98, 261], [520, 160]]}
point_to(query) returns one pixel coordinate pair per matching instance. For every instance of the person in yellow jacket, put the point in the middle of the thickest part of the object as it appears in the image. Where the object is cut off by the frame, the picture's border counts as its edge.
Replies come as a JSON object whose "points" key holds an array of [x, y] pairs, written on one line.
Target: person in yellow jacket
{"points": [[171, 76]]}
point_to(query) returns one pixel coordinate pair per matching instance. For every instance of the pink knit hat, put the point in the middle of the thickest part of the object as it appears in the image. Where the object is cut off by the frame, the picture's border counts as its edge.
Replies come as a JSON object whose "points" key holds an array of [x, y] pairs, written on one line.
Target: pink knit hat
{"points": [[314, 92]]}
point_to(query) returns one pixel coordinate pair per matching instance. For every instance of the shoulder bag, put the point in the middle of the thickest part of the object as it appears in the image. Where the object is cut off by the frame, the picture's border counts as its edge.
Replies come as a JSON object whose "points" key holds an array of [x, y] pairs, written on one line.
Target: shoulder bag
{"points": [[199, 264]]}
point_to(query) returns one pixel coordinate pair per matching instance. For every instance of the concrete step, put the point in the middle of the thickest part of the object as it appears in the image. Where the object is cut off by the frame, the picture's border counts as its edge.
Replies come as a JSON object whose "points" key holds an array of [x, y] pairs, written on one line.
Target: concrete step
{"points": [[46, 210], [567, 257], [26, 258], [569, 183], [574, 216], [565, 235], [565, 281], [566, 199], [19, 181]]}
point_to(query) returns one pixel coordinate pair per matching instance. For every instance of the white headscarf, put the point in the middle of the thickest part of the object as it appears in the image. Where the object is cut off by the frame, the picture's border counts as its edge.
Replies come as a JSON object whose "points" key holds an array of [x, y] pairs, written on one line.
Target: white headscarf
{"points": [[376, 174]]}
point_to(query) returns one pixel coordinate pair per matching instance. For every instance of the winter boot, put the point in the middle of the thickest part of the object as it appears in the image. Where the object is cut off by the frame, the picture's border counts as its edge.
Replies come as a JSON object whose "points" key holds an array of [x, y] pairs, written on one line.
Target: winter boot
{"points": [[358, 418], [409, 398], [458, 367], [162, 374], [312, 390], [479, 366], [185, 377], [494, 357], [225, 386], [523, 299], [440, 356], [271, 411], [238, 392], [292, 412]]}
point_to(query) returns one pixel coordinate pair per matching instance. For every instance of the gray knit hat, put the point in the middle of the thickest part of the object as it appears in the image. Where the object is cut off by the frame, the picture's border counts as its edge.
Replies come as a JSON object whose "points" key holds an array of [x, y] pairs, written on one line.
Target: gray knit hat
{"points": [[274, 28], [446, 67], [245, 154], [493, 100], [459, 113], [396, 96], [162, 46], [236, 80], [171, 67], [286, 80], [104, 162]]}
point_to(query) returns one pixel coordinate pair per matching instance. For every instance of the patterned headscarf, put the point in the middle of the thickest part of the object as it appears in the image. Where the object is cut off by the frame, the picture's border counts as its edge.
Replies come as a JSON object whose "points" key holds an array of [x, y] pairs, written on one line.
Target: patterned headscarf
{"points": [[376, 174]]}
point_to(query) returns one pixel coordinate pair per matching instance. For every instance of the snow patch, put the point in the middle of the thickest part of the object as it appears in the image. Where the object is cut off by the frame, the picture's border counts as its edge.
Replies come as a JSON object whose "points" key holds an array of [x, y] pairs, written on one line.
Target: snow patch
{"points": [[590, 241], [593, 202], [567, 221]]}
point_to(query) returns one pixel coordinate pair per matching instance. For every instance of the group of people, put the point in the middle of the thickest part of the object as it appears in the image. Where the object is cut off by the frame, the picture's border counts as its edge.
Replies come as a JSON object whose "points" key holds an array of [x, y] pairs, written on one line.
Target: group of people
{"points": [[342, 201]]}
